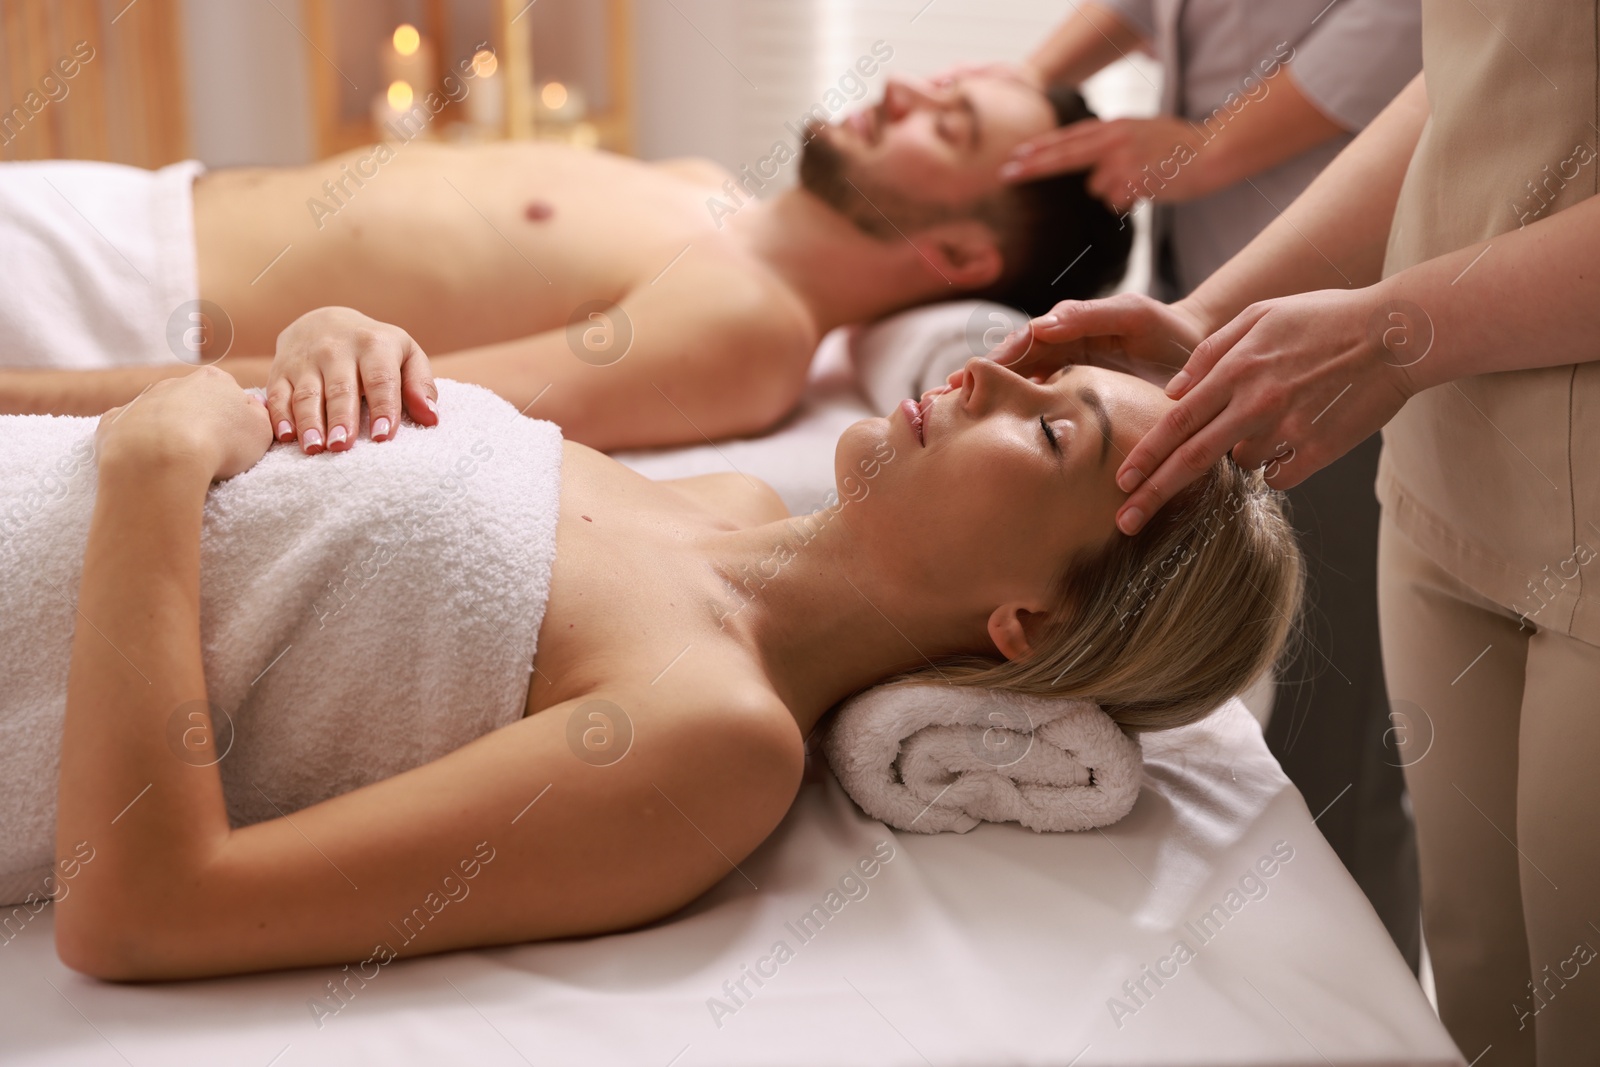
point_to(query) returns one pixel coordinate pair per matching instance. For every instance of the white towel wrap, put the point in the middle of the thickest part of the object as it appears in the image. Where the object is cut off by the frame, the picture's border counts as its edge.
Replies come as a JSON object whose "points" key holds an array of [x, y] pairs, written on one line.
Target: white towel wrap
{"points": [[930, 758], [361, 613]]}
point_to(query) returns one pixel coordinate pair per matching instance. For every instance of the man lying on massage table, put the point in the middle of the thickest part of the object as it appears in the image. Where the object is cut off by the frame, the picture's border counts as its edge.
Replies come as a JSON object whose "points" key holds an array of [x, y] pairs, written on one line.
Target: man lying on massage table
{"points": [[490, 253]]}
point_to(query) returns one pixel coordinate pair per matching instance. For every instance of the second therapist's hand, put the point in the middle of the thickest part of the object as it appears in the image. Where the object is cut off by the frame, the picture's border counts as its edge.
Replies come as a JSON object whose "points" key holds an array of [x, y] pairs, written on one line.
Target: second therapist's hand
{"points": [[327, 361], [1289, 385], [202, 421], [1021, 73], [1127, 160]]}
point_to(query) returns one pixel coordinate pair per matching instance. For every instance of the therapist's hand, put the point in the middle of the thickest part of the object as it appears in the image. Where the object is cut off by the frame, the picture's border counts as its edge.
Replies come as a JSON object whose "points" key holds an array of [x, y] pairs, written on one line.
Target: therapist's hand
{"points": [[1289, 385], [1129, 332], [1017, 72], [1116, 154]]}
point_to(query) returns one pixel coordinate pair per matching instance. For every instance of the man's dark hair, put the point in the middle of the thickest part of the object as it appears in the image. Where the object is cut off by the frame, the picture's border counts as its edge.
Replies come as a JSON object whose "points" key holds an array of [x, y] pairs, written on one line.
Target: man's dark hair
{"points": [[1058, 241]]}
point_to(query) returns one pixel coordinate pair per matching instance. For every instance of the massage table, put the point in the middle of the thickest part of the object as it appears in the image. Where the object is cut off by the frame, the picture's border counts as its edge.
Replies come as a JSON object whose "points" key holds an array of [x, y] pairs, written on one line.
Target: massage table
{"points": [[998, 946]]}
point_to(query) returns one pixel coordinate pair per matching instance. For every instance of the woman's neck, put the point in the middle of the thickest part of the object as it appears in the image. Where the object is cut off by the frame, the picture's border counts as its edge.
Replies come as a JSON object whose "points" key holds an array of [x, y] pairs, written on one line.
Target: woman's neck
{"points": [[820, 614]]}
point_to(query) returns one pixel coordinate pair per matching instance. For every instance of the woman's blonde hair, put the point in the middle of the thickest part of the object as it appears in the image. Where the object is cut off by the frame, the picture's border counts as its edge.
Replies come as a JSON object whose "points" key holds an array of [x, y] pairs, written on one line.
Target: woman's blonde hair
{"points": [[1160, 628]]}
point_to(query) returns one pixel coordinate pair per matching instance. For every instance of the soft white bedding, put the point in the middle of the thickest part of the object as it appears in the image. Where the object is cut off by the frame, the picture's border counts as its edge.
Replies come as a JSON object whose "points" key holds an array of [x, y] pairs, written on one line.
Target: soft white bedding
{"points": [[995, 946]]}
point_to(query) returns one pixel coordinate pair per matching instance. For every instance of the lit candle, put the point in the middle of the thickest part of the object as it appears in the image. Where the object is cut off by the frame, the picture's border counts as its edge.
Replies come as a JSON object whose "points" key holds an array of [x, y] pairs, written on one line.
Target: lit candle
{"points": [[486, 97], [561, 102], [408, 57]]}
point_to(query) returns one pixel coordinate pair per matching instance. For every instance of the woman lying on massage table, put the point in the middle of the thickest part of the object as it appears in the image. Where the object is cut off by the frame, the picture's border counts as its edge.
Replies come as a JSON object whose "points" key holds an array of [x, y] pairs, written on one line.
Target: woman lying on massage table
{"points": [[975, 533]]}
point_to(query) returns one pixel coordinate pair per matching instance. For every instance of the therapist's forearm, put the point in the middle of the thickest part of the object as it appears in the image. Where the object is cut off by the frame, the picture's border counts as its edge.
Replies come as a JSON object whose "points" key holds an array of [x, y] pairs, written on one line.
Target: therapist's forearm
{"points": [[1525, 299], [1268, 130], [1334, 234], [1091, 38]]}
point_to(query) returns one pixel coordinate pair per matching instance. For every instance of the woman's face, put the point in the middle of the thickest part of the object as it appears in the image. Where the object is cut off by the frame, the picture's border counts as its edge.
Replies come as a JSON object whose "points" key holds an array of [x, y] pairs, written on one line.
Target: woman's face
{"points": [[1006, 479]]}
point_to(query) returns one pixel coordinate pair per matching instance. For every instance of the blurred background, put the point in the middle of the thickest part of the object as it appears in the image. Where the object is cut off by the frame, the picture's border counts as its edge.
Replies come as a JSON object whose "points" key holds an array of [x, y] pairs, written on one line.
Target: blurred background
{"points": [[238, 82]]}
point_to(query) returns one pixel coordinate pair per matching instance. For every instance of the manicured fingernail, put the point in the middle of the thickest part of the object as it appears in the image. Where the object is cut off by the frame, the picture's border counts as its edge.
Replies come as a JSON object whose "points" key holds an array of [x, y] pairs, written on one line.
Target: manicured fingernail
{"points": [[1049, 319], [1023, 149], [1130, 520], [285, 431], [337, 436], [311, 439], [1010, 170], [428, 400], [1129, 481], [1178, 382], [380, 428]]}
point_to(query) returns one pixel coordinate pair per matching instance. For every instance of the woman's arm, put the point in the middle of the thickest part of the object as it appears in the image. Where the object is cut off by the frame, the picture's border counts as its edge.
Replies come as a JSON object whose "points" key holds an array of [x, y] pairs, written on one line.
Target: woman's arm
{"points": [[1528, 298], [1332, 237], [1334, 234], [451, 854], [1171, 160], [1272, 128], [1092, 37], [1302, 379]]}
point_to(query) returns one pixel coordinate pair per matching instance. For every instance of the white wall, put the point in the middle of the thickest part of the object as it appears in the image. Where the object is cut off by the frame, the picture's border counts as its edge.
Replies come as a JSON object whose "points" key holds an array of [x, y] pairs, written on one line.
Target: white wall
{"points": [[720, 78], [248, 89], [713, 78]]}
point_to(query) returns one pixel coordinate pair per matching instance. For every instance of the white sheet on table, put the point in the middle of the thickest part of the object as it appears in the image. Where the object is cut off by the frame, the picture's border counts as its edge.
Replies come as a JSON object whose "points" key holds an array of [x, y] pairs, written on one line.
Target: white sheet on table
{"points": [[999, 945]]}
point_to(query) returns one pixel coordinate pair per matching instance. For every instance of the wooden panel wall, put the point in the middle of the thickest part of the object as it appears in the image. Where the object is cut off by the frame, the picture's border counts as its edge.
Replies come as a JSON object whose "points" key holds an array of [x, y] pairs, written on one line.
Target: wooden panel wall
{"points": [[92, 79]]}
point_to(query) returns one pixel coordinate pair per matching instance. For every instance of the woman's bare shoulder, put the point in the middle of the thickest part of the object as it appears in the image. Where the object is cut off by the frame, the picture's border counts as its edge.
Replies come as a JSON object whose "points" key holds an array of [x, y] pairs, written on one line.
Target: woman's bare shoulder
{"points": [[741, 499]]}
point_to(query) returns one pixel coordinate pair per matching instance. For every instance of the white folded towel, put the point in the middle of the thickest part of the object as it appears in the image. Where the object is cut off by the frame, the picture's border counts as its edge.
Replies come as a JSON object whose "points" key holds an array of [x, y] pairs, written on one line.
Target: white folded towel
{"points": [[361, 613], [929, 758], [99, 262]]}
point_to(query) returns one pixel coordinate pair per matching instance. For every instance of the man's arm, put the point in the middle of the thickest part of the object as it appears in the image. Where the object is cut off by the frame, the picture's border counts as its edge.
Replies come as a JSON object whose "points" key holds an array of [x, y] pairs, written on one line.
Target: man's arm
{"points": [[705, 352], [1333, 235], [48, 391]]}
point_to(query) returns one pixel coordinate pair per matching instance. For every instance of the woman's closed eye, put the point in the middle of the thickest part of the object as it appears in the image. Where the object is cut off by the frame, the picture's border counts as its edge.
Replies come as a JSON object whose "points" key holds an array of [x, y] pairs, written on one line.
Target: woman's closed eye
{"points": [[1050, 434]]}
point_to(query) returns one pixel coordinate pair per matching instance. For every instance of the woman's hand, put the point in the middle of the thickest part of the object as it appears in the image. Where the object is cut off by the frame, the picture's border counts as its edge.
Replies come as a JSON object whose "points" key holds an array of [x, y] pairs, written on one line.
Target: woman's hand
{"points": [[327, 360], [1129, 332], [1290, 385], [1128, 160], [204, 418]]}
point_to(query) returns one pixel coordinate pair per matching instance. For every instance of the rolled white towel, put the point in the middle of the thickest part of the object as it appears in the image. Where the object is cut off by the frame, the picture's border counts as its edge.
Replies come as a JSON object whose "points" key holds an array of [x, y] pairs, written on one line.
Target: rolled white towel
{"points": [[930, 758], [913, 351]]}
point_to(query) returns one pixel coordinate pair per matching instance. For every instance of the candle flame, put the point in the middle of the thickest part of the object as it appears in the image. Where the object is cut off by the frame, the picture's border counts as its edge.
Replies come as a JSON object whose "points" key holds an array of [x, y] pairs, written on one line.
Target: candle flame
{"points": [[554, 94], [399, 95], [484, 63], [406, 39]]}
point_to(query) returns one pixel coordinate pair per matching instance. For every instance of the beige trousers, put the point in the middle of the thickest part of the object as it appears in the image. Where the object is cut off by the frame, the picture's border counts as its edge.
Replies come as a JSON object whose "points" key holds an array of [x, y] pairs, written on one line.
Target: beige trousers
{"points": [[1498, 724]]}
